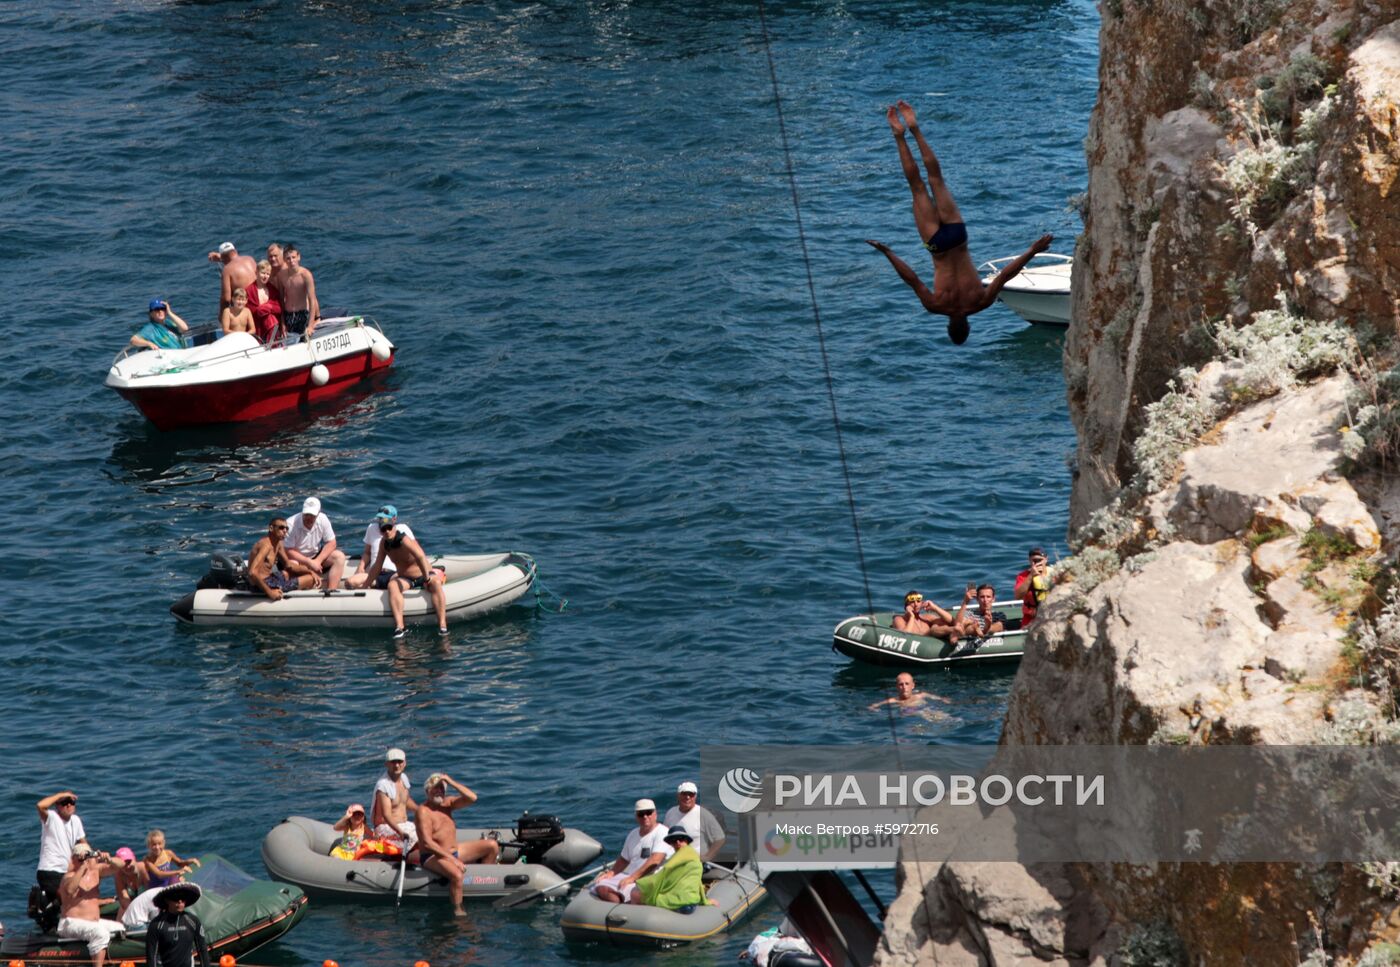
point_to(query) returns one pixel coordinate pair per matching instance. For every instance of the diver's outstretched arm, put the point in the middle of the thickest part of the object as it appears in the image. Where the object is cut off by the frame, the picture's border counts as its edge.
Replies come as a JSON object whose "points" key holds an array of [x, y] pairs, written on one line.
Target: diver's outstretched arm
{"points": [[910, 277]]}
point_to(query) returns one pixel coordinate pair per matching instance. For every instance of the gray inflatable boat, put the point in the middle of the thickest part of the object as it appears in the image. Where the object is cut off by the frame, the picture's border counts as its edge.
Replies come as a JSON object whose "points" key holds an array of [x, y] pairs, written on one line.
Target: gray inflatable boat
{"points": [[538, 854], [736, 893]]}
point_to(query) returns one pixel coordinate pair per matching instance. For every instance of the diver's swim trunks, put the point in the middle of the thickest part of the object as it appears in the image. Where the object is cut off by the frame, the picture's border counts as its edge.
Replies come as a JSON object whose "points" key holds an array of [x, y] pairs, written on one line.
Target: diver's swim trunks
{"points": [[949, 236]]}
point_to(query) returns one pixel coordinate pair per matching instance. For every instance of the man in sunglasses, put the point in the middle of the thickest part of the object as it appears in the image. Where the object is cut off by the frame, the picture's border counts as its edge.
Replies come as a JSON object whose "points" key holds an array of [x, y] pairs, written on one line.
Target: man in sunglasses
{"points": [[388, 514], [63, 831], [644, 850], [267, 564], [925, 618], [412, 572]]}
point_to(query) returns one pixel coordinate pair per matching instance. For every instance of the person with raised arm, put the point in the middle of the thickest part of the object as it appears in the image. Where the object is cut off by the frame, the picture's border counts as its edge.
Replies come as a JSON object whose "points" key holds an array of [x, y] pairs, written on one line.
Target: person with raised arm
{"points": [[958, 290]]}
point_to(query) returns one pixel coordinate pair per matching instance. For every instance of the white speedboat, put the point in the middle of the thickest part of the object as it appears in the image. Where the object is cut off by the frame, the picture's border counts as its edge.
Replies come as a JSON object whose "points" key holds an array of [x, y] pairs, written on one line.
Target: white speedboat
{"points": [[476, 584], [233, 378], [1040, 293]]}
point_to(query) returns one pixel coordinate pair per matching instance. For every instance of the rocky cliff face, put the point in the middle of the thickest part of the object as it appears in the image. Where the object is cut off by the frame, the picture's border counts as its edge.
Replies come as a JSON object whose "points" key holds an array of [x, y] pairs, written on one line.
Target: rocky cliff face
{"points": [[1239, 151]]}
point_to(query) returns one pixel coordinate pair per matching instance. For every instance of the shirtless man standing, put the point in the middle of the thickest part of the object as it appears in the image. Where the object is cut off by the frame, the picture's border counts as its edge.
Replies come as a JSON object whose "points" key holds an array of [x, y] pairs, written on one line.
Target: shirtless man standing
{"points": [[238, 273], [958, 291], [267, 564], [437, 836], [80, 903], [413, 572], [301, 311]]}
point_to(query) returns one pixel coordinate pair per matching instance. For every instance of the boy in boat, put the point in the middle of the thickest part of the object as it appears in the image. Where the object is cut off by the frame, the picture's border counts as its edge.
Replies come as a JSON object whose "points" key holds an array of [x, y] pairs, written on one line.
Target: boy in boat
{"points": [[413, 571], [162, 330], [267, 564], [1032, 585], [301, 310], [958, 291], [437, 836], [392, 803], [237, 317]]}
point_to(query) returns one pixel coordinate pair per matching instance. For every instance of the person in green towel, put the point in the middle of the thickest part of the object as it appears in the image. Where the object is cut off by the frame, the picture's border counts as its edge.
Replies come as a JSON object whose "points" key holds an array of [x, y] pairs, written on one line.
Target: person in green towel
{"points": [[680, 881]]}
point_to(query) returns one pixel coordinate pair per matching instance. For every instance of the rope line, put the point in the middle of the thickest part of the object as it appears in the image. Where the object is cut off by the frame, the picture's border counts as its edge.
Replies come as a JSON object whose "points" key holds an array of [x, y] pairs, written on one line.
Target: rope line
{"points": [[831, 397], [816, 311]]}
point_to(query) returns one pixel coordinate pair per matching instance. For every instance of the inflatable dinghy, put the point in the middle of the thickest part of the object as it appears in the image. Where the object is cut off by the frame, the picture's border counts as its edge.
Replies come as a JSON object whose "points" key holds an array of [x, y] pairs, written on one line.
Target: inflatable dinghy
{"points": [[239, 914], [872, 638], [538, 854], [736, 892], [476, 584]]}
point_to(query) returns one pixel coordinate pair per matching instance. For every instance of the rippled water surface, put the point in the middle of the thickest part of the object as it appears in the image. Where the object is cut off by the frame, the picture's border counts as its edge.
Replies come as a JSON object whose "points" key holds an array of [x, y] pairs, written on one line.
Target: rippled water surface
{"points": [[574, 220]]}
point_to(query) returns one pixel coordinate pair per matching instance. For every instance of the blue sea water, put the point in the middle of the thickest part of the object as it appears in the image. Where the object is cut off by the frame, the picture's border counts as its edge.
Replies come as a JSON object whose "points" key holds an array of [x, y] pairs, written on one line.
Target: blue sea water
{"points": [[575, 222]]}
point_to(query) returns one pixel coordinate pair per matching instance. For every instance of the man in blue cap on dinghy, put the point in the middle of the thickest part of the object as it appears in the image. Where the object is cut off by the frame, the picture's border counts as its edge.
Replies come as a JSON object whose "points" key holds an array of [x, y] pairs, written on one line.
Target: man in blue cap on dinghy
{"points": [[958, 291]]}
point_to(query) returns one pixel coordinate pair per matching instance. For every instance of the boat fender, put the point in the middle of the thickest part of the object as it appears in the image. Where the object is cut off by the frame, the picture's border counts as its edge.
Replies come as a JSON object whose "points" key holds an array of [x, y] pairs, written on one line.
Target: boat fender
{"points": [[380, 349], [320, 375]]}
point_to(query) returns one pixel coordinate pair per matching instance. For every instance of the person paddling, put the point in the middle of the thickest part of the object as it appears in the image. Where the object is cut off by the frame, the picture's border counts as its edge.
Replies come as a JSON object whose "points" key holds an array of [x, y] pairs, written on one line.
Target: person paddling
{"points": [[958, 291]]}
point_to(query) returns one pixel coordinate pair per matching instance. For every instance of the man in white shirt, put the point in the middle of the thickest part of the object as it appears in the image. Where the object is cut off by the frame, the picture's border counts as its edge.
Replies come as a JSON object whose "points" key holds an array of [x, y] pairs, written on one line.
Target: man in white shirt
{"points": [[392, 803], [310, 546], [706, 832], [388, 514], [62, 831], [643, 852]]}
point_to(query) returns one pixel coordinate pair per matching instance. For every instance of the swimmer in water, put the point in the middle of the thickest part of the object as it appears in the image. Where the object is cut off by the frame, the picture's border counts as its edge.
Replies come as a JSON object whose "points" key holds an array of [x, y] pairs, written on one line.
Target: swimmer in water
{"points": [[958, 291], [905, 696]]}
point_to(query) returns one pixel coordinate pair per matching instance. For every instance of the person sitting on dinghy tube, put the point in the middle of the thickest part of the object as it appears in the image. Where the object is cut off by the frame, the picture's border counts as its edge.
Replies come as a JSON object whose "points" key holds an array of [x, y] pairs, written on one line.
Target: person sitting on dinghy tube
{"points": [[392, 802], [388, 514], [267, 564], [438, 845], [414, 571], [163, 330], [311, 546], [642, 852], [680, 882], [982, 622], [922, 617]]}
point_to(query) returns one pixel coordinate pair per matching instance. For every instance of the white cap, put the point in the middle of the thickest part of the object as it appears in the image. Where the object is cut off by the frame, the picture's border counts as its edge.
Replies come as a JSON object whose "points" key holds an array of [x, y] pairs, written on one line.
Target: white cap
{"points": [[226, 248], [688, 786], [395, 755], [311, 506], [645, 805]]}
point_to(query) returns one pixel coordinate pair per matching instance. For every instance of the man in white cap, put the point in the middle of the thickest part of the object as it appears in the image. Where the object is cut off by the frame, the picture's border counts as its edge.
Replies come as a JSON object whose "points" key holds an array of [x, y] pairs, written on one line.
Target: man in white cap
{"points": [[392, 803], [63, 830], [644, 850], [311, 548], [706, 832], [238, 273]]}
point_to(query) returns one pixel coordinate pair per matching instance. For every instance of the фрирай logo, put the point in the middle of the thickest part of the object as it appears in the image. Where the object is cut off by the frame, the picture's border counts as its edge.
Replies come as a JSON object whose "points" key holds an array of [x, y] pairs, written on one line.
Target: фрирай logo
{"points": [[740, 789]]}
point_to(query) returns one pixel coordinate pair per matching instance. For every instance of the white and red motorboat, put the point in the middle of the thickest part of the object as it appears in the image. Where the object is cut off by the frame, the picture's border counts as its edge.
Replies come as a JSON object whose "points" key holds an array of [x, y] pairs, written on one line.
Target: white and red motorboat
{"points": [[1041, 292], [237, 378]]}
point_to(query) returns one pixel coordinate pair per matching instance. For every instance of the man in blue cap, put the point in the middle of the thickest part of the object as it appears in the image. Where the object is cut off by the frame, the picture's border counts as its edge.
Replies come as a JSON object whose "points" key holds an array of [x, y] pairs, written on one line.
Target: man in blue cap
{"points": [[388, 514], [162, 331]]}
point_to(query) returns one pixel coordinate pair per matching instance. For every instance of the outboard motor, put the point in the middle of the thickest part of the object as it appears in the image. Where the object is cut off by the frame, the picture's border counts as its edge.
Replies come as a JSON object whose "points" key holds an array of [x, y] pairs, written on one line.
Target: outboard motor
{"points": [[538, 835], [43, 908], [224, 572]]}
